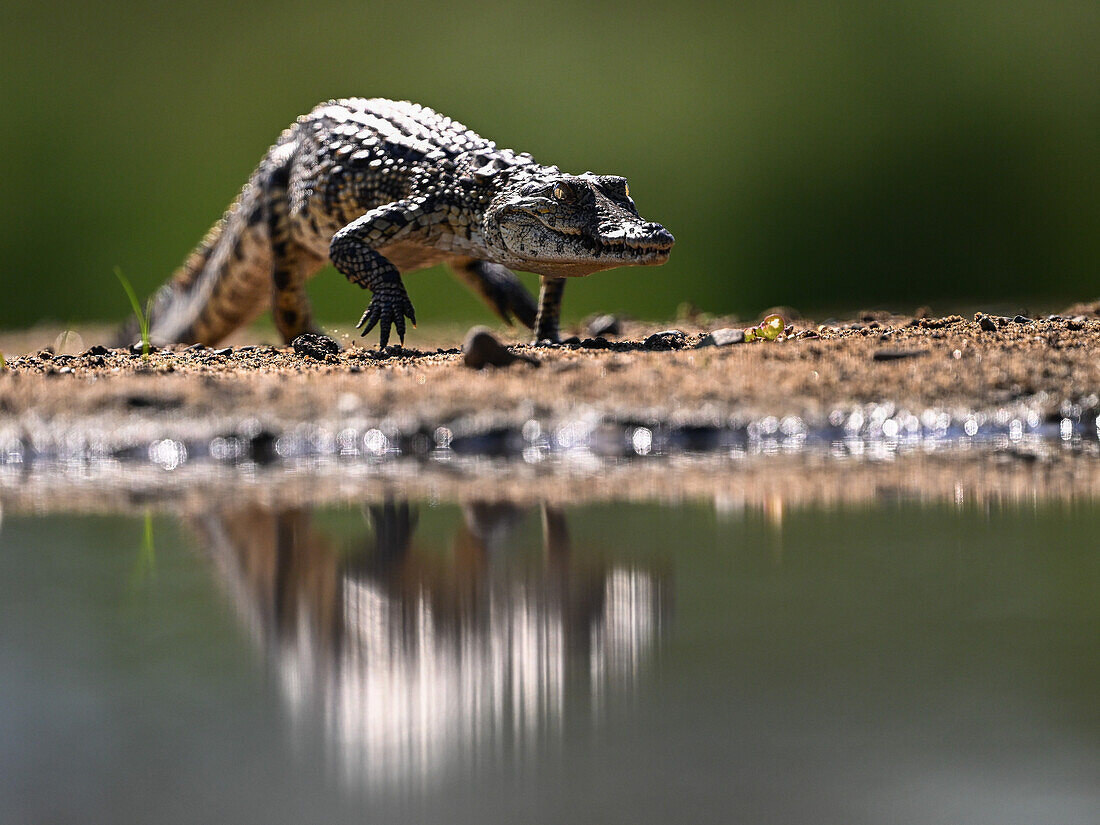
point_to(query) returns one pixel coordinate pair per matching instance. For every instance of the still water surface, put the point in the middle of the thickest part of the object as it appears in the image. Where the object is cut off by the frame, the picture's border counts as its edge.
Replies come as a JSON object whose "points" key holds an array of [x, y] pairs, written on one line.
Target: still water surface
{"points": [[426, 662]]}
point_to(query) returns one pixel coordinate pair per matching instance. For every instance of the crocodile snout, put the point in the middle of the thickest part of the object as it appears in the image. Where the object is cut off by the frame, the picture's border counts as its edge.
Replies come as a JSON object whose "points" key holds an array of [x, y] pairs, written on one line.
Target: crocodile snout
{"points": [[636, 235]]}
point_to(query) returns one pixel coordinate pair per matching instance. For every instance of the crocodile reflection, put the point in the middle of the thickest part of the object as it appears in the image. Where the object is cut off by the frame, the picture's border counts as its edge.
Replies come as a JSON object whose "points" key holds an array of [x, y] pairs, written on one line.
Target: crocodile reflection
{"points": [[416, 661]]}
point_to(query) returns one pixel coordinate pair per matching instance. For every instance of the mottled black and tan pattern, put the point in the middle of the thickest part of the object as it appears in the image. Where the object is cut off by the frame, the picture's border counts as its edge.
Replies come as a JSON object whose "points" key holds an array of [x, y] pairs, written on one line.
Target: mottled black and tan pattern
{"points": [[383, 187]]}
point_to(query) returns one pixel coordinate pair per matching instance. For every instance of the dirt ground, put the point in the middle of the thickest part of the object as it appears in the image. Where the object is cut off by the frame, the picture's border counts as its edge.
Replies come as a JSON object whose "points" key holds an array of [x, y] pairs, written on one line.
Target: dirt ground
{"points": [[914, 362]]}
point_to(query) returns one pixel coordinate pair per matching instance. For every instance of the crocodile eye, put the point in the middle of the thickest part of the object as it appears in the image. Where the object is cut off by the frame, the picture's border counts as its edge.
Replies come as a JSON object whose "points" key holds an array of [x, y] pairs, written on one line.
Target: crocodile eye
{"points": [[626, 189], [563, 192]]}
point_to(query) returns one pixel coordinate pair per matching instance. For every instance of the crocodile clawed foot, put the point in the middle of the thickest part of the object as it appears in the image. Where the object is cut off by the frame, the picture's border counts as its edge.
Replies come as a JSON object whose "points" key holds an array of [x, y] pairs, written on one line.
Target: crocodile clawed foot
{"points": [[390, 306]]}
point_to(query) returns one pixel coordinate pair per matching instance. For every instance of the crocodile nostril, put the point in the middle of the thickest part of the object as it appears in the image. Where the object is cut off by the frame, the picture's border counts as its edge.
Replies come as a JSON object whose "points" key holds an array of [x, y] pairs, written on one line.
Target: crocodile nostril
{"points": [[660, 234]]}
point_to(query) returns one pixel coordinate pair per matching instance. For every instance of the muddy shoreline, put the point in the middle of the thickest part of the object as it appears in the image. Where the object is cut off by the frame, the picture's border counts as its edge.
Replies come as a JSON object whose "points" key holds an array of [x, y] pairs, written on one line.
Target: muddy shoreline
{"points": [[1041, 372]]}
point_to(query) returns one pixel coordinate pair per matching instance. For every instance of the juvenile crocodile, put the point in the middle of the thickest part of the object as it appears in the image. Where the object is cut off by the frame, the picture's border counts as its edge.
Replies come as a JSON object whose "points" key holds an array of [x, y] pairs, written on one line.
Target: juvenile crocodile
{"points": [[383, 187]]}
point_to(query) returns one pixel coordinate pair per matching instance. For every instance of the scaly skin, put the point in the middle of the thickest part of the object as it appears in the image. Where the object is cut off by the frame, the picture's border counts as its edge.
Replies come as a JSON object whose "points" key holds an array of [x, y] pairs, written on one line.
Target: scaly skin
{"points": [[383, 187]]}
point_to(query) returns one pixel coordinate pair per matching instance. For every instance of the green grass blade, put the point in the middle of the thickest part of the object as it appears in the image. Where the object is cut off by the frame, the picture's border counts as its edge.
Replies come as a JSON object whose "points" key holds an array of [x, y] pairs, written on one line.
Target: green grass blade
{"points": [[143, 317]]}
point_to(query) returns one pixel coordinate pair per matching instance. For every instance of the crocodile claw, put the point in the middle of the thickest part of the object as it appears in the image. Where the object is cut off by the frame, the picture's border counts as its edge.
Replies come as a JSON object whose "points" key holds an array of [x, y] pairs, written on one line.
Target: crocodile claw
{"points": [[389, 306]]}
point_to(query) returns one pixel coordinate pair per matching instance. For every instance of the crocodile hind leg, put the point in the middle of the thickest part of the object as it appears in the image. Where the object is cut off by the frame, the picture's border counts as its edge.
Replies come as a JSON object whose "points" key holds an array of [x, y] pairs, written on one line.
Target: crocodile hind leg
{"points": [[290, 306], [546, 325], [499, 287], [292, 263]]}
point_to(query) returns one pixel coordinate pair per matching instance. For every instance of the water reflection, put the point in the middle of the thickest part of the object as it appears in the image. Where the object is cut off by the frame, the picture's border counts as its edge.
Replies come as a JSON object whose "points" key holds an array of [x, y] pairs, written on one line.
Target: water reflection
{"points": [[416, 660]]}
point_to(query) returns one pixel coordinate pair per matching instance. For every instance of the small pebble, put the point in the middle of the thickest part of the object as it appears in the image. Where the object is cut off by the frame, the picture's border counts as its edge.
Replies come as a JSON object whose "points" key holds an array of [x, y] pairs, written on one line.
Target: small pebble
{"points": [[772, 327], [481, 349], [318, 347], [987, 323], [68, 343], [722, 338], [1022, 319], [605, 325]]}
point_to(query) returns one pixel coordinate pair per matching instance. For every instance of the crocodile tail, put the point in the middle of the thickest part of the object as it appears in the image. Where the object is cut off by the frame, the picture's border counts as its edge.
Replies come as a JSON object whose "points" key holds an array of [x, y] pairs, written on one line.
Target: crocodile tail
{"points": [[220, 286], [170, 298]]}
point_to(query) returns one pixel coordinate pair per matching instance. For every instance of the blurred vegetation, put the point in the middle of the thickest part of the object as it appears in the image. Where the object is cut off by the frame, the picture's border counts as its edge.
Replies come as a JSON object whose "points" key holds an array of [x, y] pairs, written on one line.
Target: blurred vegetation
{"points": [[824, 155]]}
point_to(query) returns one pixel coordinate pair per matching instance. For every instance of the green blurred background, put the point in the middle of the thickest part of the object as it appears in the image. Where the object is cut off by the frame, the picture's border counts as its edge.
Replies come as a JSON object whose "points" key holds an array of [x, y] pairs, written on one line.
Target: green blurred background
{"points": [[830, 156]]}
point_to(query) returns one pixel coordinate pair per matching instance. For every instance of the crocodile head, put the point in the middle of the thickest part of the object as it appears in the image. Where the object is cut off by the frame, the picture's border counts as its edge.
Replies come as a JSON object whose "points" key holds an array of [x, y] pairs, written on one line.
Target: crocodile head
{"points": [[567, 225]]}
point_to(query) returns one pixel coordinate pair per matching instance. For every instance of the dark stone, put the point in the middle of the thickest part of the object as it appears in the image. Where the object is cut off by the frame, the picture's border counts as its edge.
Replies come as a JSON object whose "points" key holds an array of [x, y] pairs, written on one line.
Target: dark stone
{"points": [[312, 345], [138, 348], [224, 351], [261, 447], [96, 350], [141, 402], [987, 323], [656, 343], [665, 340], [1022, 319], [722, 338], [897, 354], [598, 342], [605, 325], [195, 348], [481, 349]]}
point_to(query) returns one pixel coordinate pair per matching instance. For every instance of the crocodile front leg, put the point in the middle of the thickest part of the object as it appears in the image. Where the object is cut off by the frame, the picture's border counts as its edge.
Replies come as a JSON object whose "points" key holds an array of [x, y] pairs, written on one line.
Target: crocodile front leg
{"points": [[354, 252], [546, 324]]}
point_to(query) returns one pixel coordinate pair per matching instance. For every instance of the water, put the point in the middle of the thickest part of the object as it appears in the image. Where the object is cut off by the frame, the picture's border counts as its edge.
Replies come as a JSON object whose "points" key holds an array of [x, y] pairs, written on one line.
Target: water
{"points": [[887, 660]]}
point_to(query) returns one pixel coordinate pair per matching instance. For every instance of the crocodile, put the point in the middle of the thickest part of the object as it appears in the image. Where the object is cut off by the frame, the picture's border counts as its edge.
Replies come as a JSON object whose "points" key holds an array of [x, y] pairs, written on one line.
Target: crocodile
{"points": [[379, 188]]}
